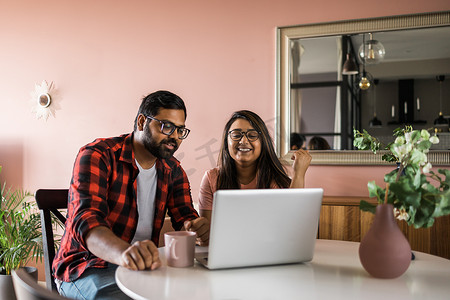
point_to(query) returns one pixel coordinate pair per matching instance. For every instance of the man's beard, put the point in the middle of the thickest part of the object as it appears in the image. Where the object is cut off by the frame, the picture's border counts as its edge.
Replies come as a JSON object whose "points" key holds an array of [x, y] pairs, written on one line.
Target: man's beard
{"points": [[157, 149]]}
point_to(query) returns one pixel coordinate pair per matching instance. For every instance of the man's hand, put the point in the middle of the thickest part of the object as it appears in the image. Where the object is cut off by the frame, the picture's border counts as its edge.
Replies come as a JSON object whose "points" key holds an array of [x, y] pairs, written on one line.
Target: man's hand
{"points": [[201, 227], [140, 256], [103, 243]]}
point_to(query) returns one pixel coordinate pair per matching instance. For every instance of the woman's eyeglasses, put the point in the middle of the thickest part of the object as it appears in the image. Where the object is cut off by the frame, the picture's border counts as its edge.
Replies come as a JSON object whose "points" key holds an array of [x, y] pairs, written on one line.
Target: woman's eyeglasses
{"points": [[251, 135], [168, 128]]}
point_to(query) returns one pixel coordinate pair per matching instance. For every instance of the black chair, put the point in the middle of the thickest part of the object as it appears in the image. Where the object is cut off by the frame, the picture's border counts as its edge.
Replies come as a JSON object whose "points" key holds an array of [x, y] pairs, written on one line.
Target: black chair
{"points": [[26, 288], [49, 201]]}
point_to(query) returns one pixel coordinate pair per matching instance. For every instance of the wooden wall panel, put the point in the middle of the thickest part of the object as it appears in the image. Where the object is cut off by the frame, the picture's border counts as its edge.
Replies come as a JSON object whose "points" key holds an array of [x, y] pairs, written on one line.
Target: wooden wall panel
{"points": [[341, 219], [440, 237], [366, 222], [339, 223], [419, 239]]}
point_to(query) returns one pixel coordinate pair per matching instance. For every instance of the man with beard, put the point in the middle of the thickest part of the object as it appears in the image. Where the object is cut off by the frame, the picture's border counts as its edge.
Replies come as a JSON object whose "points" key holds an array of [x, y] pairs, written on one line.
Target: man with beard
{"points": [[120, 192]]}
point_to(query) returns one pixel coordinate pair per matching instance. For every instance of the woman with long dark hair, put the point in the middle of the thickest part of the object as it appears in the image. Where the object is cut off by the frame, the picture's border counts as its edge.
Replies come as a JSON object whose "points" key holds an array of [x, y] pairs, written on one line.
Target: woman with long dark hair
{"points": [[247, 160]]}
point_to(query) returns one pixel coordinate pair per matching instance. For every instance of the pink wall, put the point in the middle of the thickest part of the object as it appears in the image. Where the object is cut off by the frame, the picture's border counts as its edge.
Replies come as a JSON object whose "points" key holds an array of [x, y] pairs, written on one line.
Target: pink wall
{"points": [[103, 56]]}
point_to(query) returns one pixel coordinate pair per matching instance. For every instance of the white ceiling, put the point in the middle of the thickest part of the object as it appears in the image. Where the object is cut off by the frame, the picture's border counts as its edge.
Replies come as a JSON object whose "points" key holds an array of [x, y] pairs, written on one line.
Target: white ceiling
{"points": [[419, 44], [320, 54]]}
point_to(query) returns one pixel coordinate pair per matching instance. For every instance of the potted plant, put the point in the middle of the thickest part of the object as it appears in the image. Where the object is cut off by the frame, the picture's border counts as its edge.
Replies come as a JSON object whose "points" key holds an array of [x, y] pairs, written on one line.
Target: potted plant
{"points": [[408, 195], [20, 235]]}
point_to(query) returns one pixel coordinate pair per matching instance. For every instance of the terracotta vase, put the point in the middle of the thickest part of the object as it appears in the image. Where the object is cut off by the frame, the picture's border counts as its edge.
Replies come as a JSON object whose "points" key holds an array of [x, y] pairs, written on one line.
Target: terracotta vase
{"points": [[384, 251]]}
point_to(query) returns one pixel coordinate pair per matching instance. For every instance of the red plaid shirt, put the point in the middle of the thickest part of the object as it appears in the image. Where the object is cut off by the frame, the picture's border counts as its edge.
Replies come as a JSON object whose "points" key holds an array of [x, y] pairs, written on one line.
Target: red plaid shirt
{"points": [[103, 193]]}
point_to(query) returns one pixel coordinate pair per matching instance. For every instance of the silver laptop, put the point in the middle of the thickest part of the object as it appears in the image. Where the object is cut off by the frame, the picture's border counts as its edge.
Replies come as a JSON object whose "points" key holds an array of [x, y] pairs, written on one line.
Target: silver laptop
{"points": [[262, 227]]}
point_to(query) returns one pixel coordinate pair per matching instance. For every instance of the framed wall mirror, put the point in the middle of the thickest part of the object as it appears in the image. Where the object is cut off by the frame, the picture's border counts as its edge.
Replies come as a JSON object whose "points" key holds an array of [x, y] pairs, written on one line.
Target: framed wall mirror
{"points": [[408, 85]]}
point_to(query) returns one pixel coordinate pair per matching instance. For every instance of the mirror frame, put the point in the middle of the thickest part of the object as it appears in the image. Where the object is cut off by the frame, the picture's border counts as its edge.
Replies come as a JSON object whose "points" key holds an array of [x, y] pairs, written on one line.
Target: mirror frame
{"points": [[284, 37]]}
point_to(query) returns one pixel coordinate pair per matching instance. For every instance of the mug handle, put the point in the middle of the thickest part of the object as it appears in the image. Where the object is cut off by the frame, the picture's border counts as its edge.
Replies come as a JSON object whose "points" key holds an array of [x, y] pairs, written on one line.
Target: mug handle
{"points": [[172, 245]]}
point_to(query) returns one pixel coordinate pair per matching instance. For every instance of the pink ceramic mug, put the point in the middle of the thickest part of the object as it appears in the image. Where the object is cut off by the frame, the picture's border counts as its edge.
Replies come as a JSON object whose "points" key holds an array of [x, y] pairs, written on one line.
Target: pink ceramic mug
{"points": [[180, 248]]}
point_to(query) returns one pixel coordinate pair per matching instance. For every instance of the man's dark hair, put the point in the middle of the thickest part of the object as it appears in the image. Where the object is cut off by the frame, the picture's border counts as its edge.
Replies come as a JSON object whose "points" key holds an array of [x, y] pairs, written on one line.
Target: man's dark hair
{"points": [[152, 103], [297, 139]]}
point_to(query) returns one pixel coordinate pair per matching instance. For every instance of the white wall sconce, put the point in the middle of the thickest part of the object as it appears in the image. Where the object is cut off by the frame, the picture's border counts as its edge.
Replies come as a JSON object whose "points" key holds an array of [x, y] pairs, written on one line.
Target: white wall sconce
{"points": [[43, 100]]}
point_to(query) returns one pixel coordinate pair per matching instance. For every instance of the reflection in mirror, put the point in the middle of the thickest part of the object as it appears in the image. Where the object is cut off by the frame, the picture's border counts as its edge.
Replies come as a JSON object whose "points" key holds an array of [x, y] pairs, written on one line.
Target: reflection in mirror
{"points": [[44, 100], [315, 89], [407, 77], [315, 98], [408, 88]]}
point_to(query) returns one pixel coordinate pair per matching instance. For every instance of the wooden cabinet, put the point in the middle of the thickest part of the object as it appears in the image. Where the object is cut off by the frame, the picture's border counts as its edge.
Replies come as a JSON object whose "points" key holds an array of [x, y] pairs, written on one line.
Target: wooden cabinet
{"points": [[341, 219]]}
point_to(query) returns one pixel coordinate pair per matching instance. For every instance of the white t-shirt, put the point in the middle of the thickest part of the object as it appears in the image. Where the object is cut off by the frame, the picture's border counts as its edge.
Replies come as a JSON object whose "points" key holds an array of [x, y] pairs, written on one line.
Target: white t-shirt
{"points": [[146, 191]]}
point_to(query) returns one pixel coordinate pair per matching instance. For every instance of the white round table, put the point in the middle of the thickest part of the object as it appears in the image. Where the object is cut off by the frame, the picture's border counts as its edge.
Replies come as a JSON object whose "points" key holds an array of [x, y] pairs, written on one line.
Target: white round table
{"points": [[334, 273]]}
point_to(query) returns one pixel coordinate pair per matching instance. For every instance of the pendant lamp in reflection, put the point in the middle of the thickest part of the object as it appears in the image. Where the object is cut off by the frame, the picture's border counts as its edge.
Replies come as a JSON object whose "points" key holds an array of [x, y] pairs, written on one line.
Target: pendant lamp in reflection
{"points": [[371, 51], [364, 80], [440, 123], [375, 122], [350, 67]]}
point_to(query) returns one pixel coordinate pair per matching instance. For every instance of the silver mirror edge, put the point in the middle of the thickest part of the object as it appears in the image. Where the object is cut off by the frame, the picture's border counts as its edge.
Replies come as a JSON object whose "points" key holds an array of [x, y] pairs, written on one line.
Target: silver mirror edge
{"points": [[362, 158]]}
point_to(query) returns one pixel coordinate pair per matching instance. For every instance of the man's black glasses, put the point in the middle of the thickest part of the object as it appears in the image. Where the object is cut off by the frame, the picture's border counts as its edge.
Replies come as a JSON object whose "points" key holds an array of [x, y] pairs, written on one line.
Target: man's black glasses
{"points": [[236, 135], [168, 128]]}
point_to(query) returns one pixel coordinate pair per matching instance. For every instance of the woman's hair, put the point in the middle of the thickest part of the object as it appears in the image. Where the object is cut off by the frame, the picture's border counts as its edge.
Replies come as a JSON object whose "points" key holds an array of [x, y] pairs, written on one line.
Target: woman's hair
{"points": [[318, 143], [269, 168]]}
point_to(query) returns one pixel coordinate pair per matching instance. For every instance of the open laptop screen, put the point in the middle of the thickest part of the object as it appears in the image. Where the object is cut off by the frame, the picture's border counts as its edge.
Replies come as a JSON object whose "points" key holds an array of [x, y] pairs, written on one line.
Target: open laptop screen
{"points": [[263, 227]]}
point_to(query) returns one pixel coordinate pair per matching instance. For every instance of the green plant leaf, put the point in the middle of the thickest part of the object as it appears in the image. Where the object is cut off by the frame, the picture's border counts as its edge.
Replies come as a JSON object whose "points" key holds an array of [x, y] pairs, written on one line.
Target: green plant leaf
{"points": [[20, 229], [442, 204], [364, 141], [405, 192], [419, 180], [445, 184], [417, 157], [410, 190], [424, 145], [415, 136], [389, 157], [366, 206], [375, 191], [391, 176], [399, 132]]}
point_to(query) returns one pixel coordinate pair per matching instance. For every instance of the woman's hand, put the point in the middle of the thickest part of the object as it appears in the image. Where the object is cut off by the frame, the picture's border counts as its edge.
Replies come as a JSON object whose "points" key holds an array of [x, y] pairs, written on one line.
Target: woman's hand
{"points": [[302, 159]]}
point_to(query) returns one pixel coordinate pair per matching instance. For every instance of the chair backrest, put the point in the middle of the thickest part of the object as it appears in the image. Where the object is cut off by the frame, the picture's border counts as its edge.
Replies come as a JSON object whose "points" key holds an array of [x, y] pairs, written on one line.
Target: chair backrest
{"points": [[49, 201], [27, 288]]}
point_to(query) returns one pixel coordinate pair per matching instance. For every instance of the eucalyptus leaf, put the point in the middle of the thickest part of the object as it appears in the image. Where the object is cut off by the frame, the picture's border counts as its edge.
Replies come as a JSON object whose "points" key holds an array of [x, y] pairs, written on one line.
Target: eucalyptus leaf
{"points": [[419, 180], [375, 191], [364, 141], [410, 190], [415, 135], [424, 145]]}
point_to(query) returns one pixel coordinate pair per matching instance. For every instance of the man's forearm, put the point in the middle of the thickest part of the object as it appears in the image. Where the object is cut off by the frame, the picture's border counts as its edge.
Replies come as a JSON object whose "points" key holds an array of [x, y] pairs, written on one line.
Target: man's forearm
{"points": [[103, 243]]}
